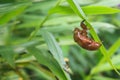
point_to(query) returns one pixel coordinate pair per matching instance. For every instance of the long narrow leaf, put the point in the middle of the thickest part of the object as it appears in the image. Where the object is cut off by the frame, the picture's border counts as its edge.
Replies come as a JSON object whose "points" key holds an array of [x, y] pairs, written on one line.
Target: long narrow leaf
{"points": [[49, 61], [80, 12], [8, 53], [89, 10], [112, 50], [8, 16], [53, 47], [93, 10], [76, 8]]}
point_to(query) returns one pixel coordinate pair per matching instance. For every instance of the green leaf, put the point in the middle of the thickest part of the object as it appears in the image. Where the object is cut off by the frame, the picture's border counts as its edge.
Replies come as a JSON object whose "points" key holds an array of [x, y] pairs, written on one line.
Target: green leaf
{"points": [[61, 10], [19, 8], [112, 50], [103, 78], [55, 50], [103, 26], [77, 9], [95, 10], [48, 60], [106, 67], [114, 47], [81, 14], [42, 72], [53, 47], [8, 53], [89, 10]]}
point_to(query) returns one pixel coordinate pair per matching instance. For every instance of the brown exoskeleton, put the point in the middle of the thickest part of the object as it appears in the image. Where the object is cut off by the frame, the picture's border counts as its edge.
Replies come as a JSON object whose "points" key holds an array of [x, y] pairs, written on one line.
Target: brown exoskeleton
{"points": [[80, 37]]}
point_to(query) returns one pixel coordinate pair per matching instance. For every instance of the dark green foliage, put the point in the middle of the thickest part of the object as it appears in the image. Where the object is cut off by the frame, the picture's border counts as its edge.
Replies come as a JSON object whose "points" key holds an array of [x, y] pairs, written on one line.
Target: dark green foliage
{"points": [[37, 35]]}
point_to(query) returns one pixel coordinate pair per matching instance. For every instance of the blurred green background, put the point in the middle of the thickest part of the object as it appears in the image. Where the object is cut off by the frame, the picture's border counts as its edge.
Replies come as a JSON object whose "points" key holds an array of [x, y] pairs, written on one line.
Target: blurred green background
{"points": [[35, 36]]}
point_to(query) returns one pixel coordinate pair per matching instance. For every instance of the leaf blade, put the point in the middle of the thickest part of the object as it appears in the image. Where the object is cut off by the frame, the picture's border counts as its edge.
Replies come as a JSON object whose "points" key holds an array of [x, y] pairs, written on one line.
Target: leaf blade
{"points": [[8, 54], [96, 10], [47, 60], [53, 47]]}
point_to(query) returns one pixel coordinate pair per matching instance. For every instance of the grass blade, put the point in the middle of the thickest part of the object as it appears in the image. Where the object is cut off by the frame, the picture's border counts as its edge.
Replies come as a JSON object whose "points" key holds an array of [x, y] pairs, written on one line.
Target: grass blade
{"points": [[49, 61], [8, 16], [77, 9], [8, 54], [75, 6], [53, 47], [95, 10]]}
